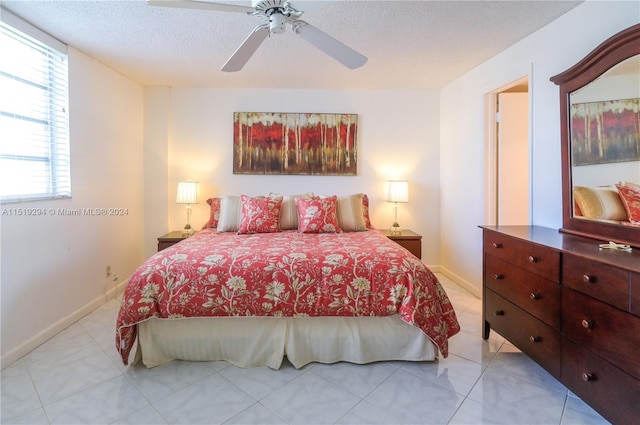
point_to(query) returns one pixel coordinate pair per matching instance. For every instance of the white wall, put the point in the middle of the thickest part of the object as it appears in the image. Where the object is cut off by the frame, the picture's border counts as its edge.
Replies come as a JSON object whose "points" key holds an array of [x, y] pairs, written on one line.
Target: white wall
{"points": [[53, 267], [545, 53], [398, 134], [157, 107]]}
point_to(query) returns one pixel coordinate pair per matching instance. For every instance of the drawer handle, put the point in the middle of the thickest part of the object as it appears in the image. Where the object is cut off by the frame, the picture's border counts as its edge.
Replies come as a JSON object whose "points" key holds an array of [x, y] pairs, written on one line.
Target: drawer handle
{"points": [[498, 276], [499, 313], [588, 279], [588, 377], [587, 324], [534, 296], [497, 245], [533, 259], [534, 338]]}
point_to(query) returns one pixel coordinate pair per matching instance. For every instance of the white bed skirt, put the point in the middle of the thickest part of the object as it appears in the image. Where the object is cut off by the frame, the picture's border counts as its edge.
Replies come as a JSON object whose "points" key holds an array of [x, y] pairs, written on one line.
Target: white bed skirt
{"points": [[253, 341]]}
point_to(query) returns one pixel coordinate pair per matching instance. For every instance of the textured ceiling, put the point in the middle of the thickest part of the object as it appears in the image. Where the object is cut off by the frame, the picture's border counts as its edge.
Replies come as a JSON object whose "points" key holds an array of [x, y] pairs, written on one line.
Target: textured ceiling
{"points": [[410, 44]]}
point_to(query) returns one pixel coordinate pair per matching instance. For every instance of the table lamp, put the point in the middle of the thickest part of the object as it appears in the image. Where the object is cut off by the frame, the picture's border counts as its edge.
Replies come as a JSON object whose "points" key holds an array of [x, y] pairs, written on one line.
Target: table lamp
{"points": [[187, 194], [397, 191]]}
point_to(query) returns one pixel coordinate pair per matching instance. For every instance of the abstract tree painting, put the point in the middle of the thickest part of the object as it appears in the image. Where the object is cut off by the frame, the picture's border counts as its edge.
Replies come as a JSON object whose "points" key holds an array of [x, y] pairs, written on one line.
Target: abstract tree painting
{"points": [[295, 143]]}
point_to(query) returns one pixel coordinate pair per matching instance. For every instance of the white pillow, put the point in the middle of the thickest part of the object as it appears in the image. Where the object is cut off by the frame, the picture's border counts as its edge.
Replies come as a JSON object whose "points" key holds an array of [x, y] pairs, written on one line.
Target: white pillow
{"points": [[350, 213], [601, 203], [289, 210], [230, 214]]}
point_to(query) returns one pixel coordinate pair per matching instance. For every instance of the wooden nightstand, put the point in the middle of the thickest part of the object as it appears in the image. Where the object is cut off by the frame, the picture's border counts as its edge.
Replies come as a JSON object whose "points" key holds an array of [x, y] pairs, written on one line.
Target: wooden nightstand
{"points": [[408, 239], [170, 239]]}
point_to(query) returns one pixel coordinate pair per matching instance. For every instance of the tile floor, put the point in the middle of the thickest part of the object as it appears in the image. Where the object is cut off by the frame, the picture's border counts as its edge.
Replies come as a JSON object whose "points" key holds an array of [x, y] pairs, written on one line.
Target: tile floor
{"points": [[76, 378]]}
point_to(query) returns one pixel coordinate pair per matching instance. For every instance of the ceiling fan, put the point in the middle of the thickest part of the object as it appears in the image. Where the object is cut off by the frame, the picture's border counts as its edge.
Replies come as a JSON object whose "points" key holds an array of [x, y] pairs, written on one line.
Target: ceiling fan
{"points": [[274, 14]]}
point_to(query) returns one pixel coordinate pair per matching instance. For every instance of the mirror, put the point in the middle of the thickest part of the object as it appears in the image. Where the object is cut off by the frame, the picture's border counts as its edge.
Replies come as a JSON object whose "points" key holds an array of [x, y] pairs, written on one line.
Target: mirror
{"points": [[600, 134]]}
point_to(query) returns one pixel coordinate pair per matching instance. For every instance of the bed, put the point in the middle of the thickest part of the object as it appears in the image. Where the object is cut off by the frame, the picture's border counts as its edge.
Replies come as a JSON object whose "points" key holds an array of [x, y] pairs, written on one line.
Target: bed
{"points": [[254, 298]]}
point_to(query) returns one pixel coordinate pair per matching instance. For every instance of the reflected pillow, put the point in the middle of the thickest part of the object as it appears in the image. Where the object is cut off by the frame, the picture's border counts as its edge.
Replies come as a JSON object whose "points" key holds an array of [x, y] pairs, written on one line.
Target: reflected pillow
{"points": [[599, 203], [630, 196]]}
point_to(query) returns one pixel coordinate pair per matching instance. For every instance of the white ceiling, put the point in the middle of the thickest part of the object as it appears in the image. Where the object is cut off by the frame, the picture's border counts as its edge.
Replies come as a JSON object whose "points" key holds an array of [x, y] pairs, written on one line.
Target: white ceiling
{"points": [[410, 44]]}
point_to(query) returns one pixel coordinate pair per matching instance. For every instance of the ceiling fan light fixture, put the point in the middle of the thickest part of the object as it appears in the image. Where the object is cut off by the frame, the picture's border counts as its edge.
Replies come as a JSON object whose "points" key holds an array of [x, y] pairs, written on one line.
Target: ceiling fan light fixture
{"points": [[277, 22]]}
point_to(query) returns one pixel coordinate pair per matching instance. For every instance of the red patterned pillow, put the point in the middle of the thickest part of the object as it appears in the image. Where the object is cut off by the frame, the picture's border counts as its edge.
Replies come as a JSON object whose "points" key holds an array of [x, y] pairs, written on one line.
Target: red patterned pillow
{"points": [[214, 213], [260, 214], [630, 196], [318, 215], [365, 211]]}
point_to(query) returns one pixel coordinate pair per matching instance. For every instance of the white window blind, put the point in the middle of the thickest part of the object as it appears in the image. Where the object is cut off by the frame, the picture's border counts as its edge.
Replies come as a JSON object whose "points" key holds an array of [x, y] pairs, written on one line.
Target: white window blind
{"points": [[34, 122]]}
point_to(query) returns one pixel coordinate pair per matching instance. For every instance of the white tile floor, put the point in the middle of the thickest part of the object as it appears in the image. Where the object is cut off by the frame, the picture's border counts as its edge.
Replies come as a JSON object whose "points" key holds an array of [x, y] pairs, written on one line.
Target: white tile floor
{"points": [[76, 378]]}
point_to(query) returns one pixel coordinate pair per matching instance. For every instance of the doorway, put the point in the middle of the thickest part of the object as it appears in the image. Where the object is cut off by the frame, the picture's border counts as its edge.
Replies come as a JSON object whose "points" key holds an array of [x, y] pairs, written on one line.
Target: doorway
{"points": [[507, 173]]}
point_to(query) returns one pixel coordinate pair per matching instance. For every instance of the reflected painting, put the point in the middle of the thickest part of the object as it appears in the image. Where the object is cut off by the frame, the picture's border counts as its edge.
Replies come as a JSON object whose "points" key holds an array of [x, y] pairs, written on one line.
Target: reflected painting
{"points": [[604, 132], [295, 143]]}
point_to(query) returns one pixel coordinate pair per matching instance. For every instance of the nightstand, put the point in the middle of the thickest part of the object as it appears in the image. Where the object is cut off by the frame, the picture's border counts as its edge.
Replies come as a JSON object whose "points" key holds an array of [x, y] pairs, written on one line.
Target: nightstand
{"points": [[407, 239], [170, 239]]}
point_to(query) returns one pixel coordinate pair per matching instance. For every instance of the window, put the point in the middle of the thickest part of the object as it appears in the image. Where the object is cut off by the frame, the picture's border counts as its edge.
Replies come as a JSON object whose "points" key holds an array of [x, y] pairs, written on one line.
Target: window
{"points": [[34, 122]]}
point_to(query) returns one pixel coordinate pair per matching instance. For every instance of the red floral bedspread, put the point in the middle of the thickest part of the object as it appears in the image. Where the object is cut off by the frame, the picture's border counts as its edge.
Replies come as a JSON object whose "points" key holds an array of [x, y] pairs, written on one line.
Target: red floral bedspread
{"points": [[286, 274]]}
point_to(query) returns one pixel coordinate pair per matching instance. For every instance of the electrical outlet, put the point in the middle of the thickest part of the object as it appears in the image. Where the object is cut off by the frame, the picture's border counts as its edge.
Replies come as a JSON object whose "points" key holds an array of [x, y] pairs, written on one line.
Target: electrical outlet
{"points": [[108, 271]]}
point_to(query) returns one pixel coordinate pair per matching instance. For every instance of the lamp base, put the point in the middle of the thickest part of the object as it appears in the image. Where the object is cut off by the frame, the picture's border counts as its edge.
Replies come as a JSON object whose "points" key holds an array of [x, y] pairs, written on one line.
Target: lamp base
{"points": [[395, 229], [187, 231]]}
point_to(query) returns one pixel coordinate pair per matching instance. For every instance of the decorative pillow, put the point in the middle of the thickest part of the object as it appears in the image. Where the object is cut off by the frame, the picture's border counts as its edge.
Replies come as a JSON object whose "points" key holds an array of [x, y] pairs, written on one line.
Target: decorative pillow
{"points": [[601, 203], [630, 184], [214, 213], [260, 214], [365, 211], [630, 196], [350, 215], [318, 215], [229, 220], [289, 211], [576, 209]]}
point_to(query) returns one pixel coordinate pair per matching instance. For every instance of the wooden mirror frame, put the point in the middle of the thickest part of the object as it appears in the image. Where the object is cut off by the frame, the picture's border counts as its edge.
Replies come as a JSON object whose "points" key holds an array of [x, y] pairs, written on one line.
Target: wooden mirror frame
{"points": [[614, 50]]}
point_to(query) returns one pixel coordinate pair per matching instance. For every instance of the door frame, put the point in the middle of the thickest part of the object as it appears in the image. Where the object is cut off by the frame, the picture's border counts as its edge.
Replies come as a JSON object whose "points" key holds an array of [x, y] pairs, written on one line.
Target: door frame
{"points": [[491, 147]]}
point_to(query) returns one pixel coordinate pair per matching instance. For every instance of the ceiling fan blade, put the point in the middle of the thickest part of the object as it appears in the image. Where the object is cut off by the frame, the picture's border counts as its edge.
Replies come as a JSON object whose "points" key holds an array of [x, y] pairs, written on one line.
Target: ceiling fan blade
{"points": [[246, 49], [202, 5], [334, 48], [310, 5]]}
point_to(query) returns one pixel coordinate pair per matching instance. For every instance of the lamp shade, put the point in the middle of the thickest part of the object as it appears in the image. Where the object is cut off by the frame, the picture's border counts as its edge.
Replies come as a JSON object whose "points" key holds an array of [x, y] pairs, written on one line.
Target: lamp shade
{"points": [[187, 192], [398, 191]]}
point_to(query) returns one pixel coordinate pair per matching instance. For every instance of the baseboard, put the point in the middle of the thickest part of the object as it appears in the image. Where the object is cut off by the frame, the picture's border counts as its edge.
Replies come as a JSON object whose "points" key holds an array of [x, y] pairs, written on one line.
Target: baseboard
{"points": [[460, 281], [435, 269], [34, 342]]}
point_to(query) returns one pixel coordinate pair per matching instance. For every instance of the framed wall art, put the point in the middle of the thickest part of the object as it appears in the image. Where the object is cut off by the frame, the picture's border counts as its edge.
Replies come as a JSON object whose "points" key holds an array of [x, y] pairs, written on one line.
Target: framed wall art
{"points": [[606, 131], [295, 143]]}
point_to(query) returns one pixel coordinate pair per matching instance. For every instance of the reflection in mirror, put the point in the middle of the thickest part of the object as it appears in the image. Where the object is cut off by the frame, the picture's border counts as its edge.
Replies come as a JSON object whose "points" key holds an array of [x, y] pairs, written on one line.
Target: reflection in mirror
{"points": [[600, 127], [605, 142]]}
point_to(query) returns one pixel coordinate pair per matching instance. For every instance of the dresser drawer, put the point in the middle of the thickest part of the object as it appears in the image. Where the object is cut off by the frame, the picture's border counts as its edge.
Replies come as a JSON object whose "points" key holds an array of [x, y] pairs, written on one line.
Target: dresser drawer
{"points": [[499, 245], [606, 388], [529, 334], [531, 292], [538, 259], [606, 283], [635, 294], [611, 333]]}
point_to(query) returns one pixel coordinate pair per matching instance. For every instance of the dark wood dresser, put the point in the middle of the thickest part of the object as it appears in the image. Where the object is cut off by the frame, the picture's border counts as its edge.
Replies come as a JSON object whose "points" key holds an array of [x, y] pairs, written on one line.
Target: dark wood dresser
{"points": [[572, 307]]}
